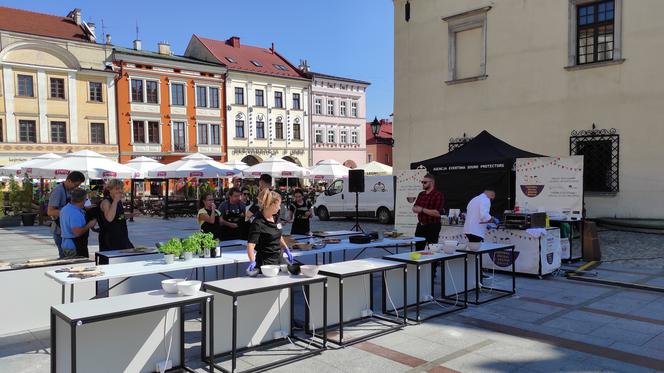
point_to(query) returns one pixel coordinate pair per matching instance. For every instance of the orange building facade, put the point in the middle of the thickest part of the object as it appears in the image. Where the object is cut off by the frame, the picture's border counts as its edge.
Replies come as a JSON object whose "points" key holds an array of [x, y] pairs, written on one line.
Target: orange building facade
{"points": [[168, 106]]}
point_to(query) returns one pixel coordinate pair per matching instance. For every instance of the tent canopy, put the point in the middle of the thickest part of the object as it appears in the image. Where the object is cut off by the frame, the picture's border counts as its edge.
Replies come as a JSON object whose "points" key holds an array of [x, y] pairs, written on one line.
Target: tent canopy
{"points": [[196, 165], [143, 165], [18, 168], [484, 161], [329, 170], [275, 167], [376, 169], [92, 165]]}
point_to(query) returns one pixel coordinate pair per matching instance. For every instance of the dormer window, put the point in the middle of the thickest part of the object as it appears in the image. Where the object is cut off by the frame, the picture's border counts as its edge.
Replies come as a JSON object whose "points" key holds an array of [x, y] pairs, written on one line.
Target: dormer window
{"points": [[280, 67], [231, 59], [256, 63]]}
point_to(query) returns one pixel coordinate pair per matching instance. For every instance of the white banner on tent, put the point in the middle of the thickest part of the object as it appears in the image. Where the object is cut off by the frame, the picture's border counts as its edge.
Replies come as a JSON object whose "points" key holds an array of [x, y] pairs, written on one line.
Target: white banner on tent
{"points": [[552, 184], [408, 187]]}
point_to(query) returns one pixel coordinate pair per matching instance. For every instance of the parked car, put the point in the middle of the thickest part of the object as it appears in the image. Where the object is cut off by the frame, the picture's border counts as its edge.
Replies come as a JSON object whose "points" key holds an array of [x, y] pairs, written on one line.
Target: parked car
{"points": [[377, 201]]}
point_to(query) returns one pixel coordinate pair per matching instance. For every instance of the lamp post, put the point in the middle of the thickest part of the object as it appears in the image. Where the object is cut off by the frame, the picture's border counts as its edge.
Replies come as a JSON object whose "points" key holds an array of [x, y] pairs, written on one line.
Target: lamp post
{"points": [[375, 127]]}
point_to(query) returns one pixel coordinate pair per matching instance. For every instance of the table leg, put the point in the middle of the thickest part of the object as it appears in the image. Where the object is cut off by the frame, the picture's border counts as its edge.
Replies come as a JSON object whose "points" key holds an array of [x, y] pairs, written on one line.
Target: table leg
{"points": [[417, 295], [53, 341], [478, 271], [329, 256], [443, 287], [292, 310], [181, 336], [203, 331], [216, 270], [341, 310], [383, 292], [63, 293], [405, 294], [324, 313], [344, 255], [234, 337], [465, 280], [71, 293], [513, 272], [211, 334], [73, 347], [371, 290]]}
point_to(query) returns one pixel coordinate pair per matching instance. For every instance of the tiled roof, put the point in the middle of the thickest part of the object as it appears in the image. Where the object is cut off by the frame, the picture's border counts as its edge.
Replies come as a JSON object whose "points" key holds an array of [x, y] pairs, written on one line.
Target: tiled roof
{"points": [[384, 132], [321, 75], [167, 57], [27, 22], [239, 57]]}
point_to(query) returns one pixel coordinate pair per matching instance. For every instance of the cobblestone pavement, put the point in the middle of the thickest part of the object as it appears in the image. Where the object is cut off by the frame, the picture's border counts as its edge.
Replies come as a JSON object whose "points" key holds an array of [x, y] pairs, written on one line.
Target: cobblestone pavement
{"points": [[636, 250]]}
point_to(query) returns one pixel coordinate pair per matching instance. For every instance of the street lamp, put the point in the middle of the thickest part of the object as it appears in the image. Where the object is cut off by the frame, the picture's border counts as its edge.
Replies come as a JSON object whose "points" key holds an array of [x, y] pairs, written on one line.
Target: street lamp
{"points": [[375, 127]]}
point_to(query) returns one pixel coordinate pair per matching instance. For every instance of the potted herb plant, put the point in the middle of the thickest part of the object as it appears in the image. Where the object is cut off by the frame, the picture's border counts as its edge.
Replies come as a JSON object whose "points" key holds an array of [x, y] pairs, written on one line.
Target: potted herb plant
{"points": [[171, 249], [190, 246], [13, 218], [206, 242]]}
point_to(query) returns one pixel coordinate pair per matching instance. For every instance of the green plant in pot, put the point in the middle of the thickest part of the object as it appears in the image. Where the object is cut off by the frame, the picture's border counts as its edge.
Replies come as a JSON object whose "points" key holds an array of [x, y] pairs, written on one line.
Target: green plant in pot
{"points": [[206, 242], [171, 249], [190, 247], [28, 215]]}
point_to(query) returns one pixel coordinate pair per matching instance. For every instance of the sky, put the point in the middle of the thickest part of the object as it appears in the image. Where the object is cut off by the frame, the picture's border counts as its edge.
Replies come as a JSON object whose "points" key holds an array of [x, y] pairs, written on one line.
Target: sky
{"points": [[349, 38]]}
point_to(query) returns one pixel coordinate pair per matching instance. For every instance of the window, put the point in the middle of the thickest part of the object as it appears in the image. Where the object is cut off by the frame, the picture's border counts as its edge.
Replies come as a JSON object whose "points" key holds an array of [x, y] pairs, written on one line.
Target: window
{"points": [[280, 67], [97, 133], [279, 130], [231, 59], [319, 106], [260, 129], [467, 46], [239, 96], [239, 128], [330, 137], [601, 153], [153, 132], [296, 131], [214, 98], [96, 92], [25, 87], [215, 134], [342, 109], [369, 156], [296, 101], [27, 131], [353, 137], [151, 90], [260, 97], [336, 187], [278, 99], [138, 126], [256, 63], [57, 88], [330, 107], [179, 139], [202, 133], [136, 90], [58, 132], [177, 94], [201, 96], [343, 137], [319, 136], [353, 109], [595, 32]]}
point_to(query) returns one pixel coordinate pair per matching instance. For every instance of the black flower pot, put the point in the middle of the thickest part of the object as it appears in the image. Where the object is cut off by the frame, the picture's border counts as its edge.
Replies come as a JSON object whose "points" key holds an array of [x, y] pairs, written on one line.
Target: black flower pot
{"points": [[28, 219]]}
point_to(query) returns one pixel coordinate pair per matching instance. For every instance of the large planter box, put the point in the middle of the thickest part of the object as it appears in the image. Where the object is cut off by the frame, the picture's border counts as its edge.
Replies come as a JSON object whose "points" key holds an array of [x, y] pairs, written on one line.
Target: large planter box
{"points": [[28, 219], [10, 221]]}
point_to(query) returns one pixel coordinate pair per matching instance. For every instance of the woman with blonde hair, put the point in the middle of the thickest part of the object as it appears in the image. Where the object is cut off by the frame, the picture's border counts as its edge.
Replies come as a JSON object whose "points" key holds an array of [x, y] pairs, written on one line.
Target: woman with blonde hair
{"points": [[265, 244], [113, 233]]}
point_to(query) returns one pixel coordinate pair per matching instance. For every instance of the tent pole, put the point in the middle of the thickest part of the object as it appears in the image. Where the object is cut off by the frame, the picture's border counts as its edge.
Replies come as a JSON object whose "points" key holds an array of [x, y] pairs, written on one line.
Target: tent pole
{"points": [[166, 200], [131, 200]]}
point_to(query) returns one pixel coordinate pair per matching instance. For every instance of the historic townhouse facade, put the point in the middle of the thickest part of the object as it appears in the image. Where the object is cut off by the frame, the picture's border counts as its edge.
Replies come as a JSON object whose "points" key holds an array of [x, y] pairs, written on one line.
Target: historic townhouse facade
{"points": [[266, 100], [338, 119], [552, 77], [57, 89], [168, 106]]}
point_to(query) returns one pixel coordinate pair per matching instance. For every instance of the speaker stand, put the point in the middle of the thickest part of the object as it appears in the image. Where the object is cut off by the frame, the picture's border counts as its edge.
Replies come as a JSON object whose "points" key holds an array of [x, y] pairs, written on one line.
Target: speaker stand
{"points": [[356, 227]]}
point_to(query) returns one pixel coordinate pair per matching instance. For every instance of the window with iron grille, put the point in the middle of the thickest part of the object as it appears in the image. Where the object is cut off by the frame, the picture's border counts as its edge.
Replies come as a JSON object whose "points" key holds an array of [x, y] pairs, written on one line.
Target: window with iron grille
{"points": [[260, 129], [279, 130], [202, 133], [595, 32], [152, 92], [97, 133], [177, 94], [57, 88], [58, 132], [457, 142], [215, 134], [153, 132], [260, 97], [27, 131], [296, 101], [601, 152], [179, 139], [96, 94], [239, 96], [239, 128], [296, 131], [278, 99], [138, 127], [25, 87], [136, 90]]}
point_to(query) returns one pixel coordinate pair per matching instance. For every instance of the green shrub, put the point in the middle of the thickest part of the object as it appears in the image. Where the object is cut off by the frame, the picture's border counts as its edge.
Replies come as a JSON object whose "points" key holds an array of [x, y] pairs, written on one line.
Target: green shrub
{"points": [[173, 246]]}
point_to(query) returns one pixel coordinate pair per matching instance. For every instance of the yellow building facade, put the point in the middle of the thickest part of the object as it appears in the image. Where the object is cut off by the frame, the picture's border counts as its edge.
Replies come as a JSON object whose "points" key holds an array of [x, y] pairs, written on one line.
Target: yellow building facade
{"points": [[56, 88]]}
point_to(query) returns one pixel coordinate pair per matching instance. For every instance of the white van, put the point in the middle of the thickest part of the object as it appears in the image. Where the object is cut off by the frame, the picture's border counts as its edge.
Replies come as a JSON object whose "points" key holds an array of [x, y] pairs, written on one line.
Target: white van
{"points": [[377, 201]]}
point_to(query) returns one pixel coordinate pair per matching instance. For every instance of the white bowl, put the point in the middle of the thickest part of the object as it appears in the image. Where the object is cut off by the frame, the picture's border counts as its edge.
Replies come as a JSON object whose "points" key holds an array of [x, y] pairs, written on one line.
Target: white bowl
{"points": [[270, 270], [309, 270], [449, 249], [189, 287], [284, 268], [171, 285], [474, 246], [435, 247], [450, 242]]}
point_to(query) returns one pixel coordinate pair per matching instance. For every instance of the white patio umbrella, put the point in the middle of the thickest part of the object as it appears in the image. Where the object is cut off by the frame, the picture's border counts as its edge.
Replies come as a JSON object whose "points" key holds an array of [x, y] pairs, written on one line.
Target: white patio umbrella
{"points": [[143, 165], [276, 167], [196, 165], [92, 165], [238, 165], [19, 169], [329, 170], [376, 169]]}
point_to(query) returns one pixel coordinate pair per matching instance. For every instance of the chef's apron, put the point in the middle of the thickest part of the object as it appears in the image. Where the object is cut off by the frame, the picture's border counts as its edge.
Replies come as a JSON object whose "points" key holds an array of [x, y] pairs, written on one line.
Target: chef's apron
{"points": [[213, 228], [114, 235], [300, 222], [268, 248], [233, 214]]}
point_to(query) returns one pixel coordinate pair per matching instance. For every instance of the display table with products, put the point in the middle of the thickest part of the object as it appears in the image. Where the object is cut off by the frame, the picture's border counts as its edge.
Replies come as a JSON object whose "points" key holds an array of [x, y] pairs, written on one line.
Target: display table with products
{"points": [[421, 281], [350, 291], [537, 251], [254, 312], [127, 333]]}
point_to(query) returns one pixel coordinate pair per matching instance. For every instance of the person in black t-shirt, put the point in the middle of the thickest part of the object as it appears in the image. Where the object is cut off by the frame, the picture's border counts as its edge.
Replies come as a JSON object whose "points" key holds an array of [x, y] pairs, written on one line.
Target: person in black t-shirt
{"points": [[232, 216], [264, 183], [300, 213], [265, 244]]}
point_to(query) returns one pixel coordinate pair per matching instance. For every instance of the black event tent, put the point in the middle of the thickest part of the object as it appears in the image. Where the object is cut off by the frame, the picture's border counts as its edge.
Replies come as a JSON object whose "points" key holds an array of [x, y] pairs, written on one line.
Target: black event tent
{"points": [[484, 161]]}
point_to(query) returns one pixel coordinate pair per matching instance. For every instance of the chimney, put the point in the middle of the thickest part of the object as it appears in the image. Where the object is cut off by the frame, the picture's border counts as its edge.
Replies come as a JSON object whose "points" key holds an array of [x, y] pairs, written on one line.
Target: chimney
{"points": [[164, 48], [76, 16], [92, 28], [272, 48], [234, 41], [137, 45], [108, 39]]}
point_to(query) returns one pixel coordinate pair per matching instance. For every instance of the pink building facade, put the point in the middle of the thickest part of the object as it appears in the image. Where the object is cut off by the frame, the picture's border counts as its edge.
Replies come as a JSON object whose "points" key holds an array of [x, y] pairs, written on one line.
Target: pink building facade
{"points": [[338, 119]]}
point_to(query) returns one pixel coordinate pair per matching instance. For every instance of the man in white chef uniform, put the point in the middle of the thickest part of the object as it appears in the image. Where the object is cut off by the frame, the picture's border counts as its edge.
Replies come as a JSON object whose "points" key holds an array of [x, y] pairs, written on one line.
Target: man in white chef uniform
{"points": [[478, 216]]}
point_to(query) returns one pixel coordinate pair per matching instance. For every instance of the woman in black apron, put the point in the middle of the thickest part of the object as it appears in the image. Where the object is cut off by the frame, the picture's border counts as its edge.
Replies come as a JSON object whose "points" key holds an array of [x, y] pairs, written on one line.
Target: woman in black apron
{"points": [[232, 216], [265, 244], [208, 216], [300, 214], [113, 232]]}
